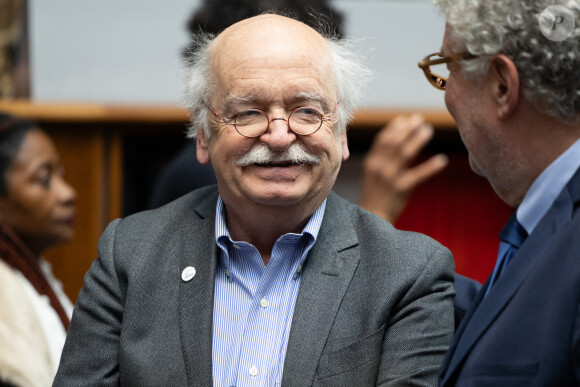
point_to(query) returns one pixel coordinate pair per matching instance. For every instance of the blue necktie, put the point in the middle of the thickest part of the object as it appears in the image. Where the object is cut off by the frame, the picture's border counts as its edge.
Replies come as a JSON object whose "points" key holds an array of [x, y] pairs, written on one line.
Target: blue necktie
{"points": [[512, 236]]}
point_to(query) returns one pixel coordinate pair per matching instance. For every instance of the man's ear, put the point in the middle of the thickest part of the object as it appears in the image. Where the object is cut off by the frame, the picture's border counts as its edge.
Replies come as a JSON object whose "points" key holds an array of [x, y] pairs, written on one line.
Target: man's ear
{"points": [[202, 148], [344, 142], [505, 84]]}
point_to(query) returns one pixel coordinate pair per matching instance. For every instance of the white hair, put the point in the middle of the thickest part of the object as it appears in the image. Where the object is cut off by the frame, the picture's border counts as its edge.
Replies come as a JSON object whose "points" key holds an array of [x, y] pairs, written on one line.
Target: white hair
{"points": [[350, 76], [548, 70], [198, 84]]}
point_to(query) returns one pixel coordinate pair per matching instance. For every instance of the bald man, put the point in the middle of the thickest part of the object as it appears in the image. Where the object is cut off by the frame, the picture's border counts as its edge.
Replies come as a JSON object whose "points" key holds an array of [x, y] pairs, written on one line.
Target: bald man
{"points": [[267, 278]]}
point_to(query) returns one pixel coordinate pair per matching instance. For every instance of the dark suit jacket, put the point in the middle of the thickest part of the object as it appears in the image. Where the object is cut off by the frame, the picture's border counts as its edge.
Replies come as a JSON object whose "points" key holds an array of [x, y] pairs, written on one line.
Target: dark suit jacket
{"points": [[466, 291], [526, 332], [375, 305]]}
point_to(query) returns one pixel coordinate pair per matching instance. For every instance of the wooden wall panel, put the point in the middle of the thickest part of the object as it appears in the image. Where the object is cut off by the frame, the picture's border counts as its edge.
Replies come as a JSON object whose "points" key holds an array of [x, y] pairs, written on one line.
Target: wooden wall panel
{"points": [[83, 153]]}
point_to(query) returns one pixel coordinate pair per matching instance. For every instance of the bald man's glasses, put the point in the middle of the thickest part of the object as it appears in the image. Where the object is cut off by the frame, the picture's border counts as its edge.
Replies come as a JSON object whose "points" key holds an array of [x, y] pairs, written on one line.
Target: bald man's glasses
{"points": [[438, 78], [255, 122]]}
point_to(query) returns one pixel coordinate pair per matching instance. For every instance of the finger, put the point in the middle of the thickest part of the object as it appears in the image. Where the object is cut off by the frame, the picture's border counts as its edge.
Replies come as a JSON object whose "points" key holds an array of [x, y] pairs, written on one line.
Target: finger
{"points": [[415, 143], [422, 172], [392, 160], [398, 131]]}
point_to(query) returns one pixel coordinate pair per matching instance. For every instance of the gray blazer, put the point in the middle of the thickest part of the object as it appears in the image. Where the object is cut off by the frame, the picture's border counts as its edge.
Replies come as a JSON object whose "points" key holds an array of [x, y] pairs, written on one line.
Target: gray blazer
{"points": [[375, 305]]}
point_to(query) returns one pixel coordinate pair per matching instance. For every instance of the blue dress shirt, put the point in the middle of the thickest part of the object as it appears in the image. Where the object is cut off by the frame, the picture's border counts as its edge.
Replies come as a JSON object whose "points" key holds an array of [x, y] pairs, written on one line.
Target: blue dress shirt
{"points": [[547, 187], [254, 304]]}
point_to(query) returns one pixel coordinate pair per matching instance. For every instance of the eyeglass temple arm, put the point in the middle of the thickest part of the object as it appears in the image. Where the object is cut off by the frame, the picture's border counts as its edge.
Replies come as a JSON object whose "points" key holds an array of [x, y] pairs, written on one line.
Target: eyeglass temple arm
{"points": [[218, 115], [329, 117], [425, 63]]}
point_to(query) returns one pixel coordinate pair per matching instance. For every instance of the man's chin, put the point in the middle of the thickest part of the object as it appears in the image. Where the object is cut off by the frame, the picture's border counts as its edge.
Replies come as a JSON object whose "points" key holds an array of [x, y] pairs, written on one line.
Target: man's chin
{"points": [[276, 198], [277, 174], [475, 167]]}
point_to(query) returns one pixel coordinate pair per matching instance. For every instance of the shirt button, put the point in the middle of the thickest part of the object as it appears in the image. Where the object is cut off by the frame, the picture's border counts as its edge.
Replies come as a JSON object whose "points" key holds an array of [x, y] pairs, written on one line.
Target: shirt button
{"points": [[253, 371], [264, 303]]}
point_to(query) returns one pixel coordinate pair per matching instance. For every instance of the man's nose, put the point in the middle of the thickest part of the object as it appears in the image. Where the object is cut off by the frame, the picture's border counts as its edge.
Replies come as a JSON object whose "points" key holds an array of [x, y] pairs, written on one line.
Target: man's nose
{"points": [[278, 136]]}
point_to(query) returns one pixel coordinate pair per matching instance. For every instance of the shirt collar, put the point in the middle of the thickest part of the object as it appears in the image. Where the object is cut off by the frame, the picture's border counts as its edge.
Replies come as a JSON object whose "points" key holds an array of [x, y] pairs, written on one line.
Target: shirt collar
{"points": [[547, 187], [312, 227]]}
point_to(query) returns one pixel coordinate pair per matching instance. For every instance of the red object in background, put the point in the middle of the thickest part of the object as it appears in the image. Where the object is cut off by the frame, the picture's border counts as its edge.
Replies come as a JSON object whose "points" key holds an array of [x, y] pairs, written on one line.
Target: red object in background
{"points": [[460, 210]]}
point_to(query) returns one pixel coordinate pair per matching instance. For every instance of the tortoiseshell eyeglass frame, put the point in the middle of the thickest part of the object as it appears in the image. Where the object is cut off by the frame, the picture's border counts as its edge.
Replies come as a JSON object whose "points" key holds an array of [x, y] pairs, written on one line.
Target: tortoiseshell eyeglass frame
{"points": [[438, 81]]}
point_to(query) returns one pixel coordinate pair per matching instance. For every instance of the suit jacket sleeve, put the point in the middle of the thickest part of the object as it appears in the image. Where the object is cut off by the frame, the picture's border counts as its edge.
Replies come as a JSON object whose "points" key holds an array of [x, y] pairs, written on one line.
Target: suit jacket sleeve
{"points": [[421, 327], [91, 352]]}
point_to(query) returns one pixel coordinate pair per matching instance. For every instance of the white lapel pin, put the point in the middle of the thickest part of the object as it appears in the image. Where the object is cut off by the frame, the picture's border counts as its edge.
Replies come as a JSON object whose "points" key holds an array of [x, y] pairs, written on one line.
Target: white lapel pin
{"points": [[188, 273]]}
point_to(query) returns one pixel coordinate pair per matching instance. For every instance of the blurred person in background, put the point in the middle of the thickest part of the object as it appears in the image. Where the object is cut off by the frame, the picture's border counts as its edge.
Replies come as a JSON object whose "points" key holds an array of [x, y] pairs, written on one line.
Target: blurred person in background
{"points": [[37, 211]]}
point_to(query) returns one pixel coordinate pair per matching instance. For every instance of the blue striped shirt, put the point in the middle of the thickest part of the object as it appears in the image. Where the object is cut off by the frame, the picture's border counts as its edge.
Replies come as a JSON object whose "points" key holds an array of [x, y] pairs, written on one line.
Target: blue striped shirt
{"points": [[254, 304]]}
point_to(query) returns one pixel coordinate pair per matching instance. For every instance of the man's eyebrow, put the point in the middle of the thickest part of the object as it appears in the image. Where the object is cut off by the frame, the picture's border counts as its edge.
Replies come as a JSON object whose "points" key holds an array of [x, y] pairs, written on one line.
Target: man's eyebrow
{"points": [[236, 100], [312, 97]]}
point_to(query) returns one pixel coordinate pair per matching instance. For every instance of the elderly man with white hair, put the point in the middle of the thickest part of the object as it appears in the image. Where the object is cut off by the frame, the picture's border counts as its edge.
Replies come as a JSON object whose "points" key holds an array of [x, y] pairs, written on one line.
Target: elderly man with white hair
{"points": [[514, 91], [268, 278]]}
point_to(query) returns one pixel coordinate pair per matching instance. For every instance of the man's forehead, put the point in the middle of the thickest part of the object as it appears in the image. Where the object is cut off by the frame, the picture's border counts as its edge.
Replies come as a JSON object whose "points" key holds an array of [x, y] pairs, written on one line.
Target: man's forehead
{"points": [[272, 23], [267, 32], [271, 48]]}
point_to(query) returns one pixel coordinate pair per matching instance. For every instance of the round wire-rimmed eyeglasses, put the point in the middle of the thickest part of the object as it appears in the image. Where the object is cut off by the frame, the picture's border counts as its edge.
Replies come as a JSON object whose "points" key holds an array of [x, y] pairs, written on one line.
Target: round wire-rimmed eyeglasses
{"points": [[440, 81], [254, 122]]}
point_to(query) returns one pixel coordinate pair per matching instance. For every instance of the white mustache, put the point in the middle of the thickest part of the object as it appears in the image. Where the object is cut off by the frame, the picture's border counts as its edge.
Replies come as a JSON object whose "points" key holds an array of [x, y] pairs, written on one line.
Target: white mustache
{"points": [[296, 153]]}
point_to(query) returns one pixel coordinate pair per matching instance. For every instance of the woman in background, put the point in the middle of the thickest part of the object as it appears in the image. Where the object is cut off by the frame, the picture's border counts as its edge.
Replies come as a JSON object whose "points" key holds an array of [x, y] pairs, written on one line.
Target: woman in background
{"points": [[37, 211]]}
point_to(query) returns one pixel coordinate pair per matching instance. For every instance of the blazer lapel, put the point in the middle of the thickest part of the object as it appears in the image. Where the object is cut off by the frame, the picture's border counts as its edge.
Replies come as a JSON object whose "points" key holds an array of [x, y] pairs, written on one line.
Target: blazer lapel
{"points": [[484, 310], [198, 249], [328, 271]]}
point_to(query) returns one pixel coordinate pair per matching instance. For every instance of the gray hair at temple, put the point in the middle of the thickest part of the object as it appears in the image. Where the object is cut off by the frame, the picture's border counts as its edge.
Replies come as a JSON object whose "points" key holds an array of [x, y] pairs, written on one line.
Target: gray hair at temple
{"points": [[548, 70], [350, 74]]}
